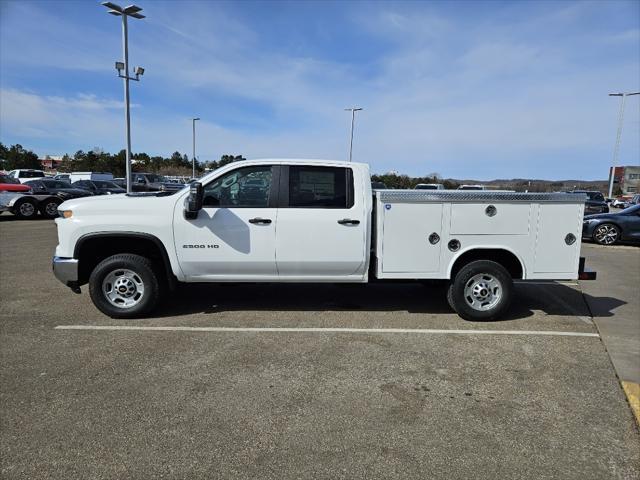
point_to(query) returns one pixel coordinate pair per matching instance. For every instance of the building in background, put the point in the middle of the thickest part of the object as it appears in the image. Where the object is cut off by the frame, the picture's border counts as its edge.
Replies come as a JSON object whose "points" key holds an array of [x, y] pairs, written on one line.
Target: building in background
{"points": [[51, 162], [625, 179]]}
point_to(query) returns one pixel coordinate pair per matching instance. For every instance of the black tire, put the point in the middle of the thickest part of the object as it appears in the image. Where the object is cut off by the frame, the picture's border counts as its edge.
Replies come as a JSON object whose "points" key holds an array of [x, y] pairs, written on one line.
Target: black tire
{"points": [[25, 208], [481, 290], [49, 207], [606, 234], [144, 273]]}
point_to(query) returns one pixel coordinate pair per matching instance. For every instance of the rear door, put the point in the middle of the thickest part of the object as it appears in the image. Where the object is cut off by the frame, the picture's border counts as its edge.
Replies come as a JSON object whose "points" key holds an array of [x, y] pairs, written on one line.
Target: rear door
{"points": [[321, 230]]}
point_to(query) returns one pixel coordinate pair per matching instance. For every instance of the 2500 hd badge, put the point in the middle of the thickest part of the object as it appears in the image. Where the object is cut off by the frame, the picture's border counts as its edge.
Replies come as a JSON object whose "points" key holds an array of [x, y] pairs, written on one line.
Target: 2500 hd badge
{"points": [[201, 246]]}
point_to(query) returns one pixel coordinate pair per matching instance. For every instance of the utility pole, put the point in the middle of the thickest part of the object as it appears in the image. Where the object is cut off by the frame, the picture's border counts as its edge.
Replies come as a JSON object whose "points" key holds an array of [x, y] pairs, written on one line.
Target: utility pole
{"points": [[130, 11], [193, 170], [353, 111], [616, 148]]}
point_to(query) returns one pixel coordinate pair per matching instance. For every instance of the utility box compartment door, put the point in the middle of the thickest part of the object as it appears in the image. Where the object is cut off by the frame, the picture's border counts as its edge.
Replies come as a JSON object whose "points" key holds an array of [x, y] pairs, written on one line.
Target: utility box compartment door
{"points": [[490, 219], [405, 244], [553, 254]]}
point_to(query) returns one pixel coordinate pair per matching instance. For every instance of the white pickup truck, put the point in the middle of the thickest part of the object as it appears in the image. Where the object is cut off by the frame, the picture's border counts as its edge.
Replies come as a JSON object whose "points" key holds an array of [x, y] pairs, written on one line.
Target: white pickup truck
{"points": [[314, 221]]}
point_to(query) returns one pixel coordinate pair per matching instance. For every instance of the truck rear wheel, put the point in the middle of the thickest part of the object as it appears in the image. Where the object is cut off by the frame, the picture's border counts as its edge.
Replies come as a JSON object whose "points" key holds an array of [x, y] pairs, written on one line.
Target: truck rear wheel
{"points": [[481, 290], [124, 286], [49, 208]]}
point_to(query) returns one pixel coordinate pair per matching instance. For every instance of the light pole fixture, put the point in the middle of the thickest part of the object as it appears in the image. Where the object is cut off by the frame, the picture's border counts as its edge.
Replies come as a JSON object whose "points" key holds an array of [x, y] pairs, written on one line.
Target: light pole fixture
{"points": [[616, 148], [193, 172], [123, 72], [353, 111]]}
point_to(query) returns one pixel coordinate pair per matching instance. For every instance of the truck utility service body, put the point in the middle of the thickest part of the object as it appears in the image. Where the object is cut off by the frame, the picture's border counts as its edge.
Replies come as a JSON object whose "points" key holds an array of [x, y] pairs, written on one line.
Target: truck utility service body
{"points": [[314, 221]]}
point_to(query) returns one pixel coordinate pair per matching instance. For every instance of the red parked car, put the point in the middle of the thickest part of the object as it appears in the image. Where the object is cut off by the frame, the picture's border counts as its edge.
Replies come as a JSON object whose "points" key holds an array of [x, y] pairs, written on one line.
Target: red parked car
{"points": [[9, 184]]}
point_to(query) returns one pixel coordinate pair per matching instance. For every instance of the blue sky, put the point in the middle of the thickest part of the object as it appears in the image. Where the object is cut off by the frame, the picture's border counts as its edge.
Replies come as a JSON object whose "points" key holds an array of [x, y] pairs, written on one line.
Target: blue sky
{"points": [[466, 89]]}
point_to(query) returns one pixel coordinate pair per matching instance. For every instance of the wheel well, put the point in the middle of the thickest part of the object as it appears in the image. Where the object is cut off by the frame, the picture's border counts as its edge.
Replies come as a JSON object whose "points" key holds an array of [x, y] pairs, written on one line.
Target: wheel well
{"points": [[92, 249], [504, 257]]}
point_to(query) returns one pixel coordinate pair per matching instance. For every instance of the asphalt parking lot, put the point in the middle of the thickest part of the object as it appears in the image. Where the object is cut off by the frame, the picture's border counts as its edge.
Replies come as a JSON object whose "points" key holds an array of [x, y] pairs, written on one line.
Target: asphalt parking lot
{"points": [[321, 403]]}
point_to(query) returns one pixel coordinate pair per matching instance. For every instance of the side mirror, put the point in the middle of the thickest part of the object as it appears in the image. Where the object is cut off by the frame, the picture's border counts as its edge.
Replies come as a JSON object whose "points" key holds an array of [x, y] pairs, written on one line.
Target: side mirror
{"points": [[194, 202]]}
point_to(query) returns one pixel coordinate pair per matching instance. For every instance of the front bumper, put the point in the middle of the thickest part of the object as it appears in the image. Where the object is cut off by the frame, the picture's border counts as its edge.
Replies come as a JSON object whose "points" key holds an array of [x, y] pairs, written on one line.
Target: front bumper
{"points": [[66, 270]]}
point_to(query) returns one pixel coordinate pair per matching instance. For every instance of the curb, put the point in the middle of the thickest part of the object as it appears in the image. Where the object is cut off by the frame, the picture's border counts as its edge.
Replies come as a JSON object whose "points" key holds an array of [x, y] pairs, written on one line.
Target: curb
{"points": [[632, 391]]}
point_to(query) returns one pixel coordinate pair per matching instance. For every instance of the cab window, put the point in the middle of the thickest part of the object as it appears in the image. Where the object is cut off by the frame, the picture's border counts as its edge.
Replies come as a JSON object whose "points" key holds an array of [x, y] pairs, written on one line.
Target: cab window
{"points": [[320, 187], [247, 187]]}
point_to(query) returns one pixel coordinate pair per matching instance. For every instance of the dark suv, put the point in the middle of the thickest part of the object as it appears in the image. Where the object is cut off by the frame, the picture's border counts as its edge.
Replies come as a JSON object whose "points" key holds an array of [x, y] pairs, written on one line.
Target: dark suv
{"points": [[595, 202]]}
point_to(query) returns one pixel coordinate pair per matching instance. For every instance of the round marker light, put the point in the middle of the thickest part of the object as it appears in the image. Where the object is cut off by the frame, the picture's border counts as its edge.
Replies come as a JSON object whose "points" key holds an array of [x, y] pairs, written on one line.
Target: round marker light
{"points": [[66, 213]]}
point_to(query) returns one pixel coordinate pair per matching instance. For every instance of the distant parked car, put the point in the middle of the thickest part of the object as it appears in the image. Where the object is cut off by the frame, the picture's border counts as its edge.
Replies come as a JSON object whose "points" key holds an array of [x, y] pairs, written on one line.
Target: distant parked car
{"points": [[99, 187], [595, 202], [619, 202], [59, 188], [25, 174], [121, 182], [9, 184], [151, 182], [378, 186], [611, 228], [65, 177], [635, 200], [429, 186], [472, 187]]}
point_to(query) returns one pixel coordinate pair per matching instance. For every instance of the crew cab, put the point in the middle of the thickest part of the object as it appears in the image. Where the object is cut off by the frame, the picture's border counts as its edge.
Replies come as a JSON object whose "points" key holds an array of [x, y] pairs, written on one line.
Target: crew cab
{"points": [[314, 221]]}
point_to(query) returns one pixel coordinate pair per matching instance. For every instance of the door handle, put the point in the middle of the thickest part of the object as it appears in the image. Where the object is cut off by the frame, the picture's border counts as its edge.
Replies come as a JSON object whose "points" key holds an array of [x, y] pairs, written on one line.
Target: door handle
{"points": [[264, 221], [348, 221]]}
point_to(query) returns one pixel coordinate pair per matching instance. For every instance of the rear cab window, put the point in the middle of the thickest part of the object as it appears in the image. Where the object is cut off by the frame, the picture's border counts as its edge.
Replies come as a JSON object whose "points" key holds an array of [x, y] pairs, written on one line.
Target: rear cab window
{"points": [[28, 174], [320, 187]]}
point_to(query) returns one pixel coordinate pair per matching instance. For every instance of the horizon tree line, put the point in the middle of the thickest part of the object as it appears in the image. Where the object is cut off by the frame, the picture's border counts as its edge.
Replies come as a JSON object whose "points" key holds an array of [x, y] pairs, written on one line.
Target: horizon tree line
{"points": [[97, 160]]}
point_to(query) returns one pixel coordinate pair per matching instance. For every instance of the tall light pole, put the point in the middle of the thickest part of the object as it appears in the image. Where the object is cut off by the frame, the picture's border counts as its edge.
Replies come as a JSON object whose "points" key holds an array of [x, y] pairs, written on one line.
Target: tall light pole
{"points": [[193, 173], [353, 111], [616, 149], [130, 11]]}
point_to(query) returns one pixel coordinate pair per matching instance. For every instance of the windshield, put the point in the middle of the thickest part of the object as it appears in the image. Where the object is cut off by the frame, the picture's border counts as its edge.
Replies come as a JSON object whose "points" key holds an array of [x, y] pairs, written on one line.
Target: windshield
{"points": [[595, 196], [631, 210], [55, 184], [30, 174], [7, 179], [104, 184]]}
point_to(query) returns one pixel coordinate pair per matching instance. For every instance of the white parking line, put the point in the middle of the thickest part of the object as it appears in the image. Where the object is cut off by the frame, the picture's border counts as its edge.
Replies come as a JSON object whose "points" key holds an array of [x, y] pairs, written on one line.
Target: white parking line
{"points": [[322, 330]]}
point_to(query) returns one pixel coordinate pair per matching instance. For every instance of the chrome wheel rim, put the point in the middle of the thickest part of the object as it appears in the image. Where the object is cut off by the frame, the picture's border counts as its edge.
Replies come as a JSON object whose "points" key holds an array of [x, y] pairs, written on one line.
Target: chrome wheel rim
{"points": [[482, 292], [51, 208], [27, 209], [606, 234], [123, 288]]}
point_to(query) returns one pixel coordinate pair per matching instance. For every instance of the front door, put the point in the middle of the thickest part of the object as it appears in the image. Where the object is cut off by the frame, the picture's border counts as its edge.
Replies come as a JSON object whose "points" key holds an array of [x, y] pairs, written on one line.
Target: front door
{"points": [[234, 234], [321, 225]]}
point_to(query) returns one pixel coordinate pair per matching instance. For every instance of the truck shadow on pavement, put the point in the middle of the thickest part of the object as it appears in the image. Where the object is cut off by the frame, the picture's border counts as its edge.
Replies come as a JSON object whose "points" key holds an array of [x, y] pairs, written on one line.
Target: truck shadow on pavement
{"points": [[549, 298]]}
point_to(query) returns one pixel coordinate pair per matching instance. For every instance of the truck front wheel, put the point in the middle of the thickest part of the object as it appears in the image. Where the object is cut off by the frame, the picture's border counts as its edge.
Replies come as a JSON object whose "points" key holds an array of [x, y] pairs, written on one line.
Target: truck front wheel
{"points": [[25, 208], [124, 286], [481, 290]]}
